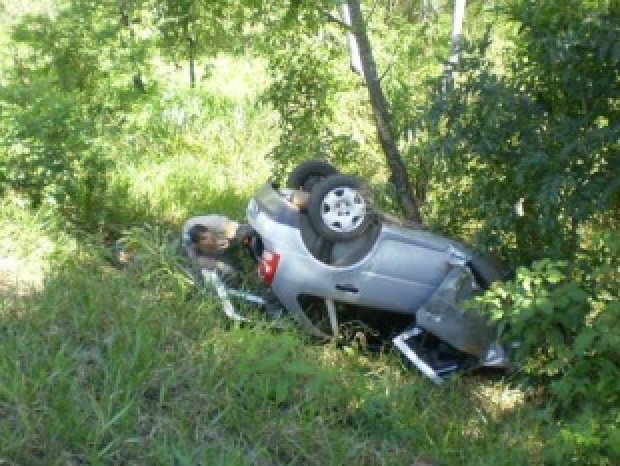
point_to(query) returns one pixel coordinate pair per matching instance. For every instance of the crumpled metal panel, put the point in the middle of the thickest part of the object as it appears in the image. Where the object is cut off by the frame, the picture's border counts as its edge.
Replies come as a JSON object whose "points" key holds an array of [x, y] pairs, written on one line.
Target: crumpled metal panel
{"points": [[442, 315]]}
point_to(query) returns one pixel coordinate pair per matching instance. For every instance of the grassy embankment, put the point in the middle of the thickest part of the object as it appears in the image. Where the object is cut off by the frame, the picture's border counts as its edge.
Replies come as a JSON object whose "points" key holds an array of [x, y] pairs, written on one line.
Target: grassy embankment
{"points": [[118, 366]]}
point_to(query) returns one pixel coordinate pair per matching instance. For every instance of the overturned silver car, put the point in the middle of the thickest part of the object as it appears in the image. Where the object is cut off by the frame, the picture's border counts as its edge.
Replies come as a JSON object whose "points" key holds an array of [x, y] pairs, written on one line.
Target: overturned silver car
{"points": [[319, 240]]}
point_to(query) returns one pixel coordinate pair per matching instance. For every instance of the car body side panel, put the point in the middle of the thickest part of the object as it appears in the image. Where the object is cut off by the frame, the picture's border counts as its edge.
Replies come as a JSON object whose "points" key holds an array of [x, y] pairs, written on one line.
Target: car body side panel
{"points": [[408, 262], [393, 277]]}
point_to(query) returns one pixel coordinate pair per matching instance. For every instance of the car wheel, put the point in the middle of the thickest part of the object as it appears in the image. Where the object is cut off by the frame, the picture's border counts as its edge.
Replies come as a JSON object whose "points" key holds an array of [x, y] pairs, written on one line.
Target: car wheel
{"points": [[339, 209], [307, 174]]}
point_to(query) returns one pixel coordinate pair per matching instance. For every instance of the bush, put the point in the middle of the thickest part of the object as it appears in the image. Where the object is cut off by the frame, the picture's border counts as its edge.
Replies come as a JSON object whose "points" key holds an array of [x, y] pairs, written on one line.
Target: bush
{"points": [[566, 318], [53, 152]]}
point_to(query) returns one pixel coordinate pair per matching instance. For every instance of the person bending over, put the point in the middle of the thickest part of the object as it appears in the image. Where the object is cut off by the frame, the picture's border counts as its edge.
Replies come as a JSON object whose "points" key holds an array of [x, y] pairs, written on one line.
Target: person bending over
{"points": [[211, 242]]}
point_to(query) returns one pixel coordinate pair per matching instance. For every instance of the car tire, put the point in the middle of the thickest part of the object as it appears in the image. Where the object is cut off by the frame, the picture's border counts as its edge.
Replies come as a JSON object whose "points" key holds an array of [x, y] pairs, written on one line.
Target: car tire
{"points": [[307, 174], [339, 208]]}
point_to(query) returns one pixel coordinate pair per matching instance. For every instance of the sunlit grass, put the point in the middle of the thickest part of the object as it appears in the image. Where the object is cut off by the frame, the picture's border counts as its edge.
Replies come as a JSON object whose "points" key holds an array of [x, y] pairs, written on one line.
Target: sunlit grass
{"points": [[29, 241], [197, 151]]}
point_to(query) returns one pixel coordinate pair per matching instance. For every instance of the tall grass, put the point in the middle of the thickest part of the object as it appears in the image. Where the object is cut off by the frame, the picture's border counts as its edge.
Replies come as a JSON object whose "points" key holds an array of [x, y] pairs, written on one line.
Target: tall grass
{"points": [[192, 151], [109, 366]]}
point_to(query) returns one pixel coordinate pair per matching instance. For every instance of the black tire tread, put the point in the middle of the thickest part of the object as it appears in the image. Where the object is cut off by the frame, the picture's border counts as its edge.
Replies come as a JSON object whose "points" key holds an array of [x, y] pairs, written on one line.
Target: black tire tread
{"points": [[301, 177]]}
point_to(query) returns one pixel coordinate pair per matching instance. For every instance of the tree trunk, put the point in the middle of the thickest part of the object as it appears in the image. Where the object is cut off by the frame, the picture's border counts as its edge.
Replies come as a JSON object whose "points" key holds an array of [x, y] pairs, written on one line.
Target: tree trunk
{"points": [[126, 9], [457, 36], [191, 54], [191, 45], [354, 52], [382, 117]]}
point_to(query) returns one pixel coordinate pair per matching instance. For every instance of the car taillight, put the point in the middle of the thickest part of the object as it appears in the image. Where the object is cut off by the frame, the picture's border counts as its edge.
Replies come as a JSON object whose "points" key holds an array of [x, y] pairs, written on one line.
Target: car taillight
{"points": [[268, 266]]}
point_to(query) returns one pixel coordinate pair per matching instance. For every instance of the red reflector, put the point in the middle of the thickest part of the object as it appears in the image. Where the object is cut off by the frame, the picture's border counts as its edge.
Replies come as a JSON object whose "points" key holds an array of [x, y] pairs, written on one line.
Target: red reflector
{"points": [[268, 266]]}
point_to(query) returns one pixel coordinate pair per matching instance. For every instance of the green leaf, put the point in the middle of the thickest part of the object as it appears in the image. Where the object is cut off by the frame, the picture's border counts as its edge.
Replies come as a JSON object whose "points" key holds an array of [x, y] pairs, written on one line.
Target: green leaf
{"points": [[584, 341]]}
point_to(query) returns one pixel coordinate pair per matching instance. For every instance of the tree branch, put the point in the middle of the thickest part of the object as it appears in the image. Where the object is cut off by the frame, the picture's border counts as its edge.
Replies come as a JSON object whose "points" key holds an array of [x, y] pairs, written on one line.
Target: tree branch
{"points": [[387, 70], [176, 19], [333, 19]]}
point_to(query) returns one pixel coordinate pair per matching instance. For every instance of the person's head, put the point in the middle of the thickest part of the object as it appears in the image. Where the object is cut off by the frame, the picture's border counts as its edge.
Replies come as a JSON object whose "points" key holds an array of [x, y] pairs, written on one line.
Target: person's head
{"points": [[203, 240]]}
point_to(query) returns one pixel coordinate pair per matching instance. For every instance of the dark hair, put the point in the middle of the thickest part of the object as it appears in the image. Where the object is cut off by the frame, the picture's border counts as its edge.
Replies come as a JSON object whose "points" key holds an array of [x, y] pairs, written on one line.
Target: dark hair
{"points": [[196, 233]]}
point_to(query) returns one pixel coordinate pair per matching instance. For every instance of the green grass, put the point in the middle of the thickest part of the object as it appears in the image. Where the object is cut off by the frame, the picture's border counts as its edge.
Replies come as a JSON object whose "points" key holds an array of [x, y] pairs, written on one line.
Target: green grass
{"points": [[119, 366]]}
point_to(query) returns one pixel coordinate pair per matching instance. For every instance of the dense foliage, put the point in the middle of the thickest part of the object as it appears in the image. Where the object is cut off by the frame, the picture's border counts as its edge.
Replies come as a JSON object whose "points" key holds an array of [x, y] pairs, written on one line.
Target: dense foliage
{"points": [[521, 156], [529, 164], [536, 140], [73, 76]]}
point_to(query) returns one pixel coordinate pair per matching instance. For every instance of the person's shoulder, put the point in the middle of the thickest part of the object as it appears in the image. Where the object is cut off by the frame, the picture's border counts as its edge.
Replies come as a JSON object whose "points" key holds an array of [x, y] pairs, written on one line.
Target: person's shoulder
{"points": [[206, 220], [216, 222]]}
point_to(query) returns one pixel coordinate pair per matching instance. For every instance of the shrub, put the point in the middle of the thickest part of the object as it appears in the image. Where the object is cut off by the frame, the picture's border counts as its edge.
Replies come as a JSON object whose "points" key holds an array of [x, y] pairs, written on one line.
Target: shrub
{"points": [[566, 318]]}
